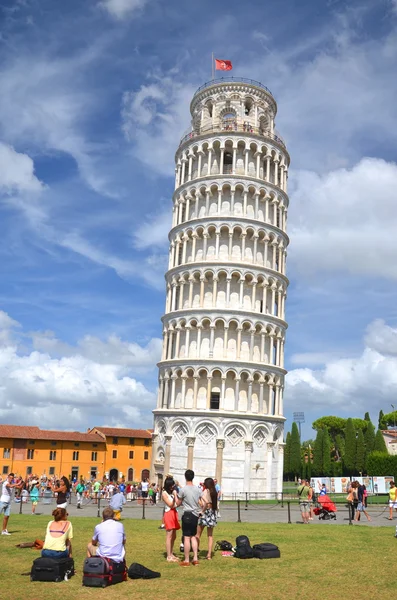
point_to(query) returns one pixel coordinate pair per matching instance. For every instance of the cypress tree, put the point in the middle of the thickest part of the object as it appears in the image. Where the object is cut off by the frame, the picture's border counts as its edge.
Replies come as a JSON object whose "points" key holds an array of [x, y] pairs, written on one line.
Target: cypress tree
{"points": [[295, 460], [360, 453], [326, 453], [381, 422], [318, 453], [369, 439], [380, 445], [287, 457], [350, 447], [367, 417]]}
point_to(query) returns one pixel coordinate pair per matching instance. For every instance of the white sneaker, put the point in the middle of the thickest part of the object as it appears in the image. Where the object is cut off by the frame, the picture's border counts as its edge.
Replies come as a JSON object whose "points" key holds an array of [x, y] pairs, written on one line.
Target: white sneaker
{"points": [[5, 532]]}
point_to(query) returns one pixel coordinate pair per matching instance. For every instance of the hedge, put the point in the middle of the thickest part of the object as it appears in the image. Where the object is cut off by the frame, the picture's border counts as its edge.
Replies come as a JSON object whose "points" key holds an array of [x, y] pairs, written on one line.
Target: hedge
{"points": [[379, 463]]}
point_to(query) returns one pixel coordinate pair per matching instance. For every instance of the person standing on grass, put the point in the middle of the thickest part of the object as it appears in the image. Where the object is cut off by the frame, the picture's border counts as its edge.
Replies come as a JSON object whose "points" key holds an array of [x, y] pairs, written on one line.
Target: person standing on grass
{"points": [[171, 522], [361, 504], [5, 500], [392, 499], [209, 501], [304, 493], [34, 496], [189, 497]]}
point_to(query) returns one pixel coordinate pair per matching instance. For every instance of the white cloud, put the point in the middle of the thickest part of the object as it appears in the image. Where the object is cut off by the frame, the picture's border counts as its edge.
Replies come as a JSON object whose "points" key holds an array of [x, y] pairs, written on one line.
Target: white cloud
{"points": [[120, 9], [154, 231], [92, 383], [350, 385], [17, 172], [154, 118], [345, 220]]}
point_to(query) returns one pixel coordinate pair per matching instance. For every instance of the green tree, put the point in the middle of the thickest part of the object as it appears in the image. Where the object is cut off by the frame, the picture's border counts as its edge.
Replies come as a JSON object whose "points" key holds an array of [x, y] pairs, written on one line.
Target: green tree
{"points": [[389, 419], [380, 445], [360, 452], [369, 439], [350, 447], [326, 453], [367, 417], [295, 460], [340, 446], [287, 456], [318, 453], [381, 421]]}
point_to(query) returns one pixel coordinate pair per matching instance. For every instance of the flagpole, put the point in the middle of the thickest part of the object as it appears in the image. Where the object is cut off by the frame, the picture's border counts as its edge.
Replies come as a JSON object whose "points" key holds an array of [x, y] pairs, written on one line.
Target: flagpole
{"points": [[212, 65]]}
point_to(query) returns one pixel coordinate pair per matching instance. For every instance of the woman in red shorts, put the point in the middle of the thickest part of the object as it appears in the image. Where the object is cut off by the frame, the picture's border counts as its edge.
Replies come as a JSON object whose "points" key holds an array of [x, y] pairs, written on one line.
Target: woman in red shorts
{"points": [[171, 522]]}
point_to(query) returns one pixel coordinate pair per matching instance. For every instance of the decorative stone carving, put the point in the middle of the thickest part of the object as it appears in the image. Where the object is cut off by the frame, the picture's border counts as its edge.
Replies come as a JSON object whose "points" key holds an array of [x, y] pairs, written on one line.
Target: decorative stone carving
{"points": [[220, 444], [180, 431], [260, 437], [235, 435], [190, 441], [206, 433]]}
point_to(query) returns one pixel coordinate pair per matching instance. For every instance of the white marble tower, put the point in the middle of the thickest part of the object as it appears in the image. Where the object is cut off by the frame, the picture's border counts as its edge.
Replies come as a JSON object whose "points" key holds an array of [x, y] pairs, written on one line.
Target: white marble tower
{"points": [[221, 375]]}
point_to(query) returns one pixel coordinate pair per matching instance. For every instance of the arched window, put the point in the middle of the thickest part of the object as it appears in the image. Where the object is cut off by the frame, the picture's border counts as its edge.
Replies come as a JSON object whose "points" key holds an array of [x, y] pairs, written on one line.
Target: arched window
{"points": [[229, 122], [130, 474]]}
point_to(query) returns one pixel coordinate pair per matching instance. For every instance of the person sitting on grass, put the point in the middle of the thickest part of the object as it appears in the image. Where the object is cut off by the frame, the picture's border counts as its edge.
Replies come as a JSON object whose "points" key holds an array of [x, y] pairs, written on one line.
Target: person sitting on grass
{"points": [[109, 538], [59, 532]]}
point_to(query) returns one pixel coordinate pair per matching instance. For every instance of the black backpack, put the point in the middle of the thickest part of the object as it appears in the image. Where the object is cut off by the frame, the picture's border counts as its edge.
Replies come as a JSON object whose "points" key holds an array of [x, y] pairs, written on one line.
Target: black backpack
{"points": [[137, 571], [243, 547], [223, 545], [266, 550]]}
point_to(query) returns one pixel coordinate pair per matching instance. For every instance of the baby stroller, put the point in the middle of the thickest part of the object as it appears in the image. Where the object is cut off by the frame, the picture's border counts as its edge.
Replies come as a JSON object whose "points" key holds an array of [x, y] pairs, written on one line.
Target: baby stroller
{"points": [[325, 509]]}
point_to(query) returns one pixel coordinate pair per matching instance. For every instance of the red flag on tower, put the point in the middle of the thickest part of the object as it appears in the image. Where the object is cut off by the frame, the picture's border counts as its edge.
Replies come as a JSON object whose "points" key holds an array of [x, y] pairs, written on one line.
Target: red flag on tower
{"points": [[223, 65]]}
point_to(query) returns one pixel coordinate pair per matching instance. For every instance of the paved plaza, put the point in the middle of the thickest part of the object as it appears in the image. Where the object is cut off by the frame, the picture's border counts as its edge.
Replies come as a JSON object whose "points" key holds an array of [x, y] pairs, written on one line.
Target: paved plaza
{"points": [[251, 513]]}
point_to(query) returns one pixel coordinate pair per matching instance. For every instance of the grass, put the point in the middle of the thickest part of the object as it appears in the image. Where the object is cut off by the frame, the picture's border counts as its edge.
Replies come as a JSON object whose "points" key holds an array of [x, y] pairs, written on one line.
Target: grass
{"points": [[316, 561]]}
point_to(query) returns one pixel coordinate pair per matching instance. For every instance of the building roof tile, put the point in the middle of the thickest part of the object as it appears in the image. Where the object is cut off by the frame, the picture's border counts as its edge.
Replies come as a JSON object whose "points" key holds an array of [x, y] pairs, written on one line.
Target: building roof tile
{"points": [[120, 432], [34, 433]]}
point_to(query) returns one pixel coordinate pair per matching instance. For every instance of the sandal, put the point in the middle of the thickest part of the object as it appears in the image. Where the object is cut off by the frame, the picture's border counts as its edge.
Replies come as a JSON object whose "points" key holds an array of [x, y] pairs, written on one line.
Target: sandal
{"points": [[172, 559], [208, 557]]}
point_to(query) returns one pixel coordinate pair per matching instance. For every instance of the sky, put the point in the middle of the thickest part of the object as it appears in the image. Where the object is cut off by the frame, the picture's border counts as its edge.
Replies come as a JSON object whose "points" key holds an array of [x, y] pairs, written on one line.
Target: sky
{"points": [[94, 98]]}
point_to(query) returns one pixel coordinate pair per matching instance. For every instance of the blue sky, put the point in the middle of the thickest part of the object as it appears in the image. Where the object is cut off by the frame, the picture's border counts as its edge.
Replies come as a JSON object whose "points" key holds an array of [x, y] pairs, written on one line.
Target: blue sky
{"points": [[94, 98]]}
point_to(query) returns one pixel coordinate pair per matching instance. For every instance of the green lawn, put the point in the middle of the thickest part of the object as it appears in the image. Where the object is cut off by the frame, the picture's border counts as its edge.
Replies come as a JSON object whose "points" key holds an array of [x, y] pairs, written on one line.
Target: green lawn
{"points": [[317, 561]]}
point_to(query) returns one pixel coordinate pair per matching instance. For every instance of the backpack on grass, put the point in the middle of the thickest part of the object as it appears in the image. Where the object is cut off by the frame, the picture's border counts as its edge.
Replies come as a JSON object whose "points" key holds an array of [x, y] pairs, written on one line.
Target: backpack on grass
{"points": [[266, 551], [223, 545], [243, 547]]}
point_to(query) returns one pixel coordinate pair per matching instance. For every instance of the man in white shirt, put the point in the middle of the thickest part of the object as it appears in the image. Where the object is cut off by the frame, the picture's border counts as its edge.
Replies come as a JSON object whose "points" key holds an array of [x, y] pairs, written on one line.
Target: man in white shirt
{"points": [[109, 538], [145, 488], [5, 500]]}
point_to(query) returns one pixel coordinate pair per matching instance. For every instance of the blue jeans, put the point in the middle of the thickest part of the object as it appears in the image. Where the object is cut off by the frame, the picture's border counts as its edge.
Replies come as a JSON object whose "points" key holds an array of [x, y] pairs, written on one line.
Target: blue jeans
{"points": [[55, 553]]}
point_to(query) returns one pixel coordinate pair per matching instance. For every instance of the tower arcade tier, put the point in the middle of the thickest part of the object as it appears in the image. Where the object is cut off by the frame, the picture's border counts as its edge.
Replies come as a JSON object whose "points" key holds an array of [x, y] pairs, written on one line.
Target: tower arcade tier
{"points": [[221, 374]]}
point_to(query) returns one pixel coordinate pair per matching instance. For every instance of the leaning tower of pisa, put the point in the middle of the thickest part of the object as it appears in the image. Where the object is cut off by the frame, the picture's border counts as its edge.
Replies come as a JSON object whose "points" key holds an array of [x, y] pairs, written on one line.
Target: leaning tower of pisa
{"points": [[221, 374]]}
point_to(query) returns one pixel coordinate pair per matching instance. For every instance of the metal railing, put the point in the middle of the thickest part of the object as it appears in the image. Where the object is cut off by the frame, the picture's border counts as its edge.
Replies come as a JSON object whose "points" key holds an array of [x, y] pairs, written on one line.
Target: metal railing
{"points": [[232, 80], [230, 128]]}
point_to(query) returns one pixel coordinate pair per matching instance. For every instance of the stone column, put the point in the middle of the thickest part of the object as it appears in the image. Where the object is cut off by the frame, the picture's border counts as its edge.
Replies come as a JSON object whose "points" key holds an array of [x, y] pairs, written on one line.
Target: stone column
{"points": [[173, 384], [209, 161], [195, 386], [184, 379], [160, 393], [154, 453], [234, 161], [280, 470], [237, 393], [187, 340], [260, 410], [223, 391], [221, 161], [238, 349], [220, 444], [209, 382], [202, 281], [225, 340], [212, 337], [167, 459], [268, 158], [269, 465], [214, 291], [228, 279], [190, 450], [230, 248], [249, 403], [232, 202], [246, 152], [199, 328], [217, 239], [219, 201], [247, 465]]}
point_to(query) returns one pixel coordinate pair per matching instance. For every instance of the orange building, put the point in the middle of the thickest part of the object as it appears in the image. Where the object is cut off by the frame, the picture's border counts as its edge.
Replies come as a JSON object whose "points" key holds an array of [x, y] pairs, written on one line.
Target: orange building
{"points": [[99, 453], [129, 452], [30, 450]]}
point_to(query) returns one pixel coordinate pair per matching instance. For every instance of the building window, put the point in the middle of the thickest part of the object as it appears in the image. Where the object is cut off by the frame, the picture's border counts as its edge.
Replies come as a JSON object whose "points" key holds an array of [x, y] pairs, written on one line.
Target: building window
{"points": [[146, 455], [94, 456], [53, 454], [131, 454], [29, 470], [76, 444], [214, 401], [5, 470], [53, 443], [76, 455], [7, 453], [114, 453], [95, 445], [30, 454], [132, 441], [147, 442], [52, 471], [115, 440], [31, 442]]}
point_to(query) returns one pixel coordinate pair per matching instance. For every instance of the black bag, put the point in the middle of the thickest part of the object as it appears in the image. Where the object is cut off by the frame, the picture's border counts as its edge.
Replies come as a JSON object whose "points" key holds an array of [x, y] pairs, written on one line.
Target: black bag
{"points": [[137, 571], [101, 572], [243, 547], [52, 569], [223, 545], [266, 551]]}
